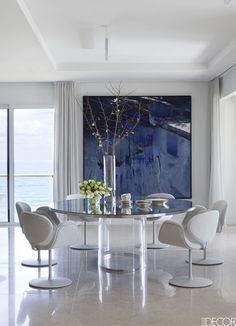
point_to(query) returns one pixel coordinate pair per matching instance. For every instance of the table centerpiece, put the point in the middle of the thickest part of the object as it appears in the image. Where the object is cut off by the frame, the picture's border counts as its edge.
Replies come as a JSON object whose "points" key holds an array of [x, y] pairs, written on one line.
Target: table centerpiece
{"points": [[94, 190]]}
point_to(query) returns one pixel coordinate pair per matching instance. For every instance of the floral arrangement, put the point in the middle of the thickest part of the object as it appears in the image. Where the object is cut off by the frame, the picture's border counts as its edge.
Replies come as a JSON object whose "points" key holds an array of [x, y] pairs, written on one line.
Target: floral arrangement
{"points": [[94, 189]]}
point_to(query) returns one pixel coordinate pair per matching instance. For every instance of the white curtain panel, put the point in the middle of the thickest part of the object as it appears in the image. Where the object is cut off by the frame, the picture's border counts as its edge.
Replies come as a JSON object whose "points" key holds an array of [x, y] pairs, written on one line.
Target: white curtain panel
{"points": [[215, 190], [66, 154], [228, 136]]}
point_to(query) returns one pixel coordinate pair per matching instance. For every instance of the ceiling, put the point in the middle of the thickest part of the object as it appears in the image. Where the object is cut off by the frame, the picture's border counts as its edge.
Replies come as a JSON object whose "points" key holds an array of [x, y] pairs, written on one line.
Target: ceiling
{"points": [[148, 40]]}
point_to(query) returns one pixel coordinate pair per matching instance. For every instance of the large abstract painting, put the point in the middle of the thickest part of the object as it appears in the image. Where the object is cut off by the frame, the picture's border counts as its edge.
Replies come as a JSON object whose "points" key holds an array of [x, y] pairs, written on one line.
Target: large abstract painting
{"points": [[156, 157]]}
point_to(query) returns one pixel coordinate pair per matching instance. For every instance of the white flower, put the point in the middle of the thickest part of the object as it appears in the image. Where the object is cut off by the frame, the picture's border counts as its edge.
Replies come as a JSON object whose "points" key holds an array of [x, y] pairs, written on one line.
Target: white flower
{"points": [[94, 188]]}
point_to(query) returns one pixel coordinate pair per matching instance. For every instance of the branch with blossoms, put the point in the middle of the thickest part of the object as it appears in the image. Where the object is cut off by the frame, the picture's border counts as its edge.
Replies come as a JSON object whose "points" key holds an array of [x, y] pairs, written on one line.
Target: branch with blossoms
{"points": [[111, 123]]}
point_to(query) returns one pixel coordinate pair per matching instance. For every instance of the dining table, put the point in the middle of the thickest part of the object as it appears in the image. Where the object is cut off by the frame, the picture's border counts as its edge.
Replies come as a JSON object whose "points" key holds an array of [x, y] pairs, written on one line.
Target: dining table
{"points": [[121, 227]]}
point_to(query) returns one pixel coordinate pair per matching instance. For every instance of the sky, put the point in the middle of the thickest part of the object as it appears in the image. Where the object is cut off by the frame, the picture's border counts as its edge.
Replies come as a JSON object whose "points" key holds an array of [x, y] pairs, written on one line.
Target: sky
{"points": [[33, 140]]}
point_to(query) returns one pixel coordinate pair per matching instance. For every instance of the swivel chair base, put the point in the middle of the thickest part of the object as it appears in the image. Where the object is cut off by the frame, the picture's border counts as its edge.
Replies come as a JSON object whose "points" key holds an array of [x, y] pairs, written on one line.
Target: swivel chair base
{"points": [[186, 282], [209, 261], [84, 247], [157, 245], [45, 283], [37, 263]]}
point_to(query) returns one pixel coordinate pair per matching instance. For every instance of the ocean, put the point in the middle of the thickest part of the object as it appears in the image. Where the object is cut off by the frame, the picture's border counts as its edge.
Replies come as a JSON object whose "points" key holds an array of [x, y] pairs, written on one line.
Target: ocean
{"points": [[36, 191]]}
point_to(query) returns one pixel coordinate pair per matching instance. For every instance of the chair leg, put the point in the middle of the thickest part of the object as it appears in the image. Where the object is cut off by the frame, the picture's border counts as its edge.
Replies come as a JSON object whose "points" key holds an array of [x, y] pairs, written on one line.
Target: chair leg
{"points": [[84, 246], [207, 261], [39, 256], [50, 265], [39, 262], [190, 265], [190, 281], [156, 244], [205, 253], [153, 232], [219, 228], [85, 233], [46, 283]]}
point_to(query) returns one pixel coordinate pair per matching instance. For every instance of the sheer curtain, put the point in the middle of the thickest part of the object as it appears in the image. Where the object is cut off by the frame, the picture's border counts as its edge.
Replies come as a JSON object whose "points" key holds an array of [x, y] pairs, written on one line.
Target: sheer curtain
{"points": [[228, 135], [215, 191], [66, 154]]}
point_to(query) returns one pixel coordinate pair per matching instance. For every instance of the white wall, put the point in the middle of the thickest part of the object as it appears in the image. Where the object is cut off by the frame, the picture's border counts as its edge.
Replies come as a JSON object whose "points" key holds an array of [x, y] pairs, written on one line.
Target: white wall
{"points": [[20, 94], [200, 123], [228, 136], [228, 82]]}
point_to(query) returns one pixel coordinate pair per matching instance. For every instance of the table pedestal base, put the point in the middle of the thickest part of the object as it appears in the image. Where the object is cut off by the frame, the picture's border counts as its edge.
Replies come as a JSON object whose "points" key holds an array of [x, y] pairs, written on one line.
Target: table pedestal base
{"points": [[122, 248], [121, 262]]}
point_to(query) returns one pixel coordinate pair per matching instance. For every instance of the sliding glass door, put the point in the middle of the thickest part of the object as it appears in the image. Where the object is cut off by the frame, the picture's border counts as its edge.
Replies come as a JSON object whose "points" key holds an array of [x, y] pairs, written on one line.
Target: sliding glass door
{"points": [[26, 159], [33, 156]]}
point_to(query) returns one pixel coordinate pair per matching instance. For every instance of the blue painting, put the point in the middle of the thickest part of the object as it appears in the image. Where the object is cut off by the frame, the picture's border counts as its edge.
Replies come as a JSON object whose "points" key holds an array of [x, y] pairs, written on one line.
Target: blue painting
{"points": [[155, 156]]}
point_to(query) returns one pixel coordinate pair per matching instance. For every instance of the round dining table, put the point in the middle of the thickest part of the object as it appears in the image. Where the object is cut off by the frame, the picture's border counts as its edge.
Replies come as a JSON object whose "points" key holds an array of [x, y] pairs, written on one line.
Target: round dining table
{"points": [[121, 227]]}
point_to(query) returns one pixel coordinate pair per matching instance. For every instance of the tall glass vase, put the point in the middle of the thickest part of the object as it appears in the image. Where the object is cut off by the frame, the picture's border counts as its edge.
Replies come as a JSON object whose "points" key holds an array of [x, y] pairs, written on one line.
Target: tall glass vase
{"points": [[109, 169]]}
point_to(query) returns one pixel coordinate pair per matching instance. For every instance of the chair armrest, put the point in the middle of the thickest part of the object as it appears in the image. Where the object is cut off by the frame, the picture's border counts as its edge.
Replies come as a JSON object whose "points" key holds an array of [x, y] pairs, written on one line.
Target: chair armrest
{"points": [[191, 213], [172, 233], [52, 216]]}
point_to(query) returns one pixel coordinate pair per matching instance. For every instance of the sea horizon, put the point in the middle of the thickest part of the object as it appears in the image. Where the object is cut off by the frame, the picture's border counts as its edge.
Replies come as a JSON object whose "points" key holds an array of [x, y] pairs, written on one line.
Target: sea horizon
{"points": [[36, 191]]}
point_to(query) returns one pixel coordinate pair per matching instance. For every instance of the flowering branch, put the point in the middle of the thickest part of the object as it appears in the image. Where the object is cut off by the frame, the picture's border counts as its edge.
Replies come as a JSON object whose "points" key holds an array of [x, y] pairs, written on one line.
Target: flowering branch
{"points": [[111, 122]]}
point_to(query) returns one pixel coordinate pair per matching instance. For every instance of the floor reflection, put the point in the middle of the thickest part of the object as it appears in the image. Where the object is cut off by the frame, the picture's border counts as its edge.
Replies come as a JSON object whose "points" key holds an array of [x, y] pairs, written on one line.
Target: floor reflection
{"points": [[129, 286], [35, 305], [99, 298]]}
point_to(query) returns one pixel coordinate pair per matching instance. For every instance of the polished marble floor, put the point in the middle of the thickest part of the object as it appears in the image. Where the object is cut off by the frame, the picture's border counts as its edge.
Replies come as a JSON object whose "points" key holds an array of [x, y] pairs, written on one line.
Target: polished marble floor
{"points": [[98, 298]]}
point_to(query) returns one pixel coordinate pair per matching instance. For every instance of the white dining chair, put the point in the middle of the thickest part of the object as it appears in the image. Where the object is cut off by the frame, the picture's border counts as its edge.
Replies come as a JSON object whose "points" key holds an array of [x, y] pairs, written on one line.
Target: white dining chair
{"points": [[84, 220], [201, 228], [42, 234], [22, 207], [191, 213], [52, 216], [157, 221], [221, 207]]}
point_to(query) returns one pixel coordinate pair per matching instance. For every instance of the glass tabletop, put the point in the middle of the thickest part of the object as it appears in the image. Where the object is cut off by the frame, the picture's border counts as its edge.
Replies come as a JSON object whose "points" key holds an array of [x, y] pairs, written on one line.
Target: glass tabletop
{"points": [[117, 209]]}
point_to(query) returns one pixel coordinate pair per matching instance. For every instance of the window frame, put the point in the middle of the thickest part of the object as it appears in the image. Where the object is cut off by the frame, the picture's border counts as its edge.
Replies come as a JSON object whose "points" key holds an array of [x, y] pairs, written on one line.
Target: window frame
{"points": [[6, 107]]}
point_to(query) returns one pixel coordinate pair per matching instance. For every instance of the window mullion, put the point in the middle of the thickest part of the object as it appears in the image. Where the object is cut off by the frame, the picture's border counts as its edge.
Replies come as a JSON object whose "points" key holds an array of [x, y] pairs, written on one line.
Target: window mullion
{"points": [[11, 163]]}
